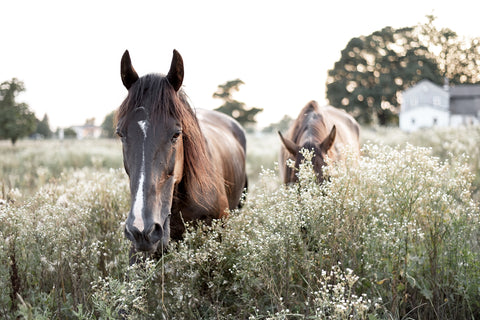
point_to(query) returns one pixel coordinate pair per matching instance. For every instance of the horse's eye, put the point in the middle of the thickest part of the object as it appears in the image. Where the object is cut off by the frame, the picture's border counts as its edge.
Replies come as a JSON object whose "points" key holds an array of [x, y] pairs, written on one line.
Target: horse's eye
{"points": [[119, 133], [176, 135]]}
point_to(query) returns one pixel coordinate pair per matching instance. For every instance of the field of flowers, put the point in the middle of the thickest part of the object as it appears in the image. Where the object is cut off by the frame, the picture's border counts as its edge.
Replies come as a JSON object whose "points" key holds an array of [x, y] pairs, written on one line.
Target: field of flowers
{"points": [[395, 236]]}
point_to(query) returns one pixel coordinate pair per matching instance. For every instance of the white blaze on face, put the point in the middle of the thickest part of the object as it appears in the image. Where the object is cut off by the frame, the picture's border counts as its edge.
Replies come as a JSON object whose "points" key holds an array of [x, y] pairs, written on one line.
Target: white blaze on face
{"points": [[138, 203]]}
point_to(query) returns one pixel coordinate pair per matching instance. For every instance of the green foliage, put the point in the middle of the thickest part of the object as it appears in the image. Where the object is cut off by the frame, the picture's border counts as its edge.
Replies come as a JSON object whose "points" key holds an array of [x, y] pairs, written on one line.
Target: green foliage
{"points": [[232, 107], [125, 297], [69, 133], [374, 69], [43, 127], [458, 59], [283, 125], [16, 120], [225, 90], [107, 126]]}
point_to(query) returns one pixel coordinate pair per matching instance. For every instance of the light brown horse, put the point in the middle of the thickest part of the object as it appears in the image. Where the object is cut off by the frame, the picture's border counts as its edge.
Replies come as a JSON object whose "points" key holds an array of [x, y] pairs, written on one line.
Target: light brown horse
{"points": [[183, 165], [325, 130]]}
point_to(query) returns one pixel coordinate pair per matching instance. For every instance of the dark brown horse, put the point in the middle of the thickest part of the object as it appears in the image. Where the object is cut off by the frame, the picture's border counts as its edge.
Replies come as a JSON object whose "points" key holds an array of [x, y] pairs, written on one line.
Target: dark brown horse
{"points": [[183, 165], [325, 130]]}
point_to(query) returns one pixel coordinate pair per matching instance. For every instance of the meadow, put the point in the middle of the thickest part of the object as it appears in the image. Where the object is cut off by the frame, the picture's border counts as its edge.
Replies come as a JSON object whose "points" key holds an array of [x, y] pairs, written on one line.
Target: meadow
{"points": [[395, 236]]}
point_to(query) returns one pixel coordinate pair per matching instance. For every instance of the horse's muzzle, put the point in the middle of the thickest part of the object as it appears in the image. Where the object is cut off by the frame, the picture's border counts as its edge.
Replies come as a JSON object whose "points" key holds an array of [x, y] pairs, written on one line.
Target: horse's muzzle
{"points": [[150, 240]]}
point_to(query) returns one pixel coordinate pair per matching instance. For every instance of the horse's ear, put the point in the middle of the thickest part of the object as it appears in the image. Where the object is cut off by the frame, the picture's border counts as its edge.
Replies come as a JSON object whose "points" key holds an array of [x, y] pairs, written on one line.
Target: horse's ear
{"points": [[289, 145], [129, 75], [327, 143], [175, 75]]}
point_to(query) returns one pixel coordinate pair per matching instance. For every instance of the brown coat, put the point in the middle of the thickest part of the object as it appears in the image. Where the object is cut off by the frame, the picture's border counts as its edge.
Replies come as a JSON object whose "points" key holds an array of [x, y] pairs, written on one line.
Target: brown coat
{"points": [[326, 130]]}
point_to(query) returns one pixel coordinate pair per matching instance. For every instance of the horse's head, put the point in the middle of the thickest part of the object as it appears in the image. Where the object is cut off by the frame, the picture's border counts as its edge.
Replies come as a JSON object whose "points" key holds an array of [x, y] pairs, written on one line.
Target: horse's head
{"points": [[320, 152], [152, 138]]}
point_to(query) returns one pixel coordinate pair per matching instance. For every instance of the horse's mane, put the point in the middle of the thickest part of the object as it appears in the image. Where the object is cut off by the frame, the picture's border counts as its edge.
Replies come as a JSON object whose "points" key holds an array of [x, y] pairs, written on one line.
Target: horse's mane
{"points": [[198, 176], [309, 120]]}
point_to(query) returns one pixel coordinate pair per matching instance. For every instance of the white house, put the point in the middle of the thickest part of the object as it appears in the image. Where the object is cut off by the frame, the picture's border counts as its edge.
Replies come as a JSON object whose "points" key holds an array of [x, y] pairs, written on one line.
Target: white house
{"points": [[426, 105], [87, 131]]}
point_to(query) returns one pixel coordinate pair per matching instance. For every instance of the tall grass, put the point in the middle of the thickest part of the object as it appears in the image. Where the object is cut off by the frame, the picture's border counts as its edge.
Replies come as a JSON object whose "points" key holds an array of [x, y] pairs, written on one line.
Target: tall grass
{"points": [[394, 236], [30, 164], [446, 143], [61, 240]]}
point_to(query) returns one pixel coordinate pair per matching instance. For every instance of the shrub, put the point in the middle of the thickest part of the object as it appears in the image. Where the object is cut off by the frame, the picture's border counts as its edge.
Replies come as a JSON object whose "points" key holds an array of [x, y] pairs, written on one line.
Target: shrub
{"points": [[61, 240], [446, 143], [408, 222], [395, 235]]}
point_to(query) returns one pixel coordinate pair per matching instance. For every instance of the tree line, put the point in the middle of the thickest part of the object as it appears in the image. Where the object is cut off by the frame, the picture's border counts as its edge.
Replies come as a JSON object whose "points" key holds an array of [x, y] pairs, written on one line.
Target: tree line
{"points": [[366, 81], [18, 121]]}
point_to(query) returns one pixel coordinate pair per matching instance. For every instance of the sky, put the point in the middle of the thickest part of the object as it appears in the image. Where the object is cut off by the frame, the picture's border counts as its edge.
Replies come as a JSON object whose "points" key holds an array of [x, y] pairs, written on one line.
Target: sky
{"points": [[68, 53]]}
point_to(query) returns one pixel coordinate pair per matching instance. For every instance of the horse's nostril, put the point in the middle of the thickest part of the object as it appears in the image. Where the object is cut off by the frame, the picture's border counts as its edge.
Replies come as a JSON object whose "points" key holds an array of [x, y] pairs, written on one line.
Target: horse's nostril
{"points": [[128, 233], [157, 233]]}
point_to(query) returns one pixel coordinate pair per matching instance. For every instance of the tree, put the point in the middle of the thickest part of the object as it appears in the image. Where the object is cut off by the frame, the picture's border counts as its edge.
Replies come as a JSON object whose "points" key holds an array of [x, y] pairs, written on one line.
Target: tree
{"points": [[16, 120], [90, 122], [69, 133], [234, 108], [107, 125], [283, 125], [374, 70], [458, 59], [43, 127]]}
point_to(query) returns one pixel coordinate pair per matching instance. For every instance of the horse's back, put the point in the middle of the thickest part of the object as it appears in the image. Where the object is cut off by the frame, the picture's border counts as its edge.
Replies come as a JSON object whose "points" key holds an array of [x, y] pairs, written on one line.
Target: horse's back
{"points": [[220, 121], [226, 142], [348, 129]]}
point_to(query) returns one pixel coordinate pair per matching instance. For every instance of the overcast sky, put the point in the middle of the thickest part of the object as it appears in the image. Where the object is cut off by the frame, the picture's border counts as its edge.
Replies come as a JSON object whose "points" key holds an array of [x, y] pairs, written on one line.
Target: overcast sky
{"points": [[68, 52]]}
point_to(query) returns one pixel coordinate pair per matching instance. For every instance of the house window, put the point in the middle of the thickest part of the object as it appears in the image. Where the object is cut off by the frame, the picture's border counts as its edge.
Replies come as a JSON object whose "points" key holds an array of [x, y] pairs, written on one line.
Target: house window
{"points": [[413, 121], [435, 121]]}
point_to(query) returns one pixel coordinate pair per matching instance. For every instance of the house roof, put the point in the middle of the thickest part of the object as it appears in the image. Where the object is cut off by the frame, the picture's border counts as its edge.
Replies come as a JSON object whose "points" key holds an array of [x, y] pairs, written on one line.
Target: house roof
{"points": [[425, 93], [465, 90], [424, 85]]}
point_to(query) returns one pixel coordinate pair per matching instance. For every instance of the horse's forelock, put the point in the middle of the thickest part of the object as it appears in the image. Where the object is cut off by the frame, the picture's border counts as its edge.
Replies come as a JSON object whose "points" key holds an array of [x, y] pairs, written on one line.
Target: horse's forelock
{"points": [[155, 94], [311, 123]]}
